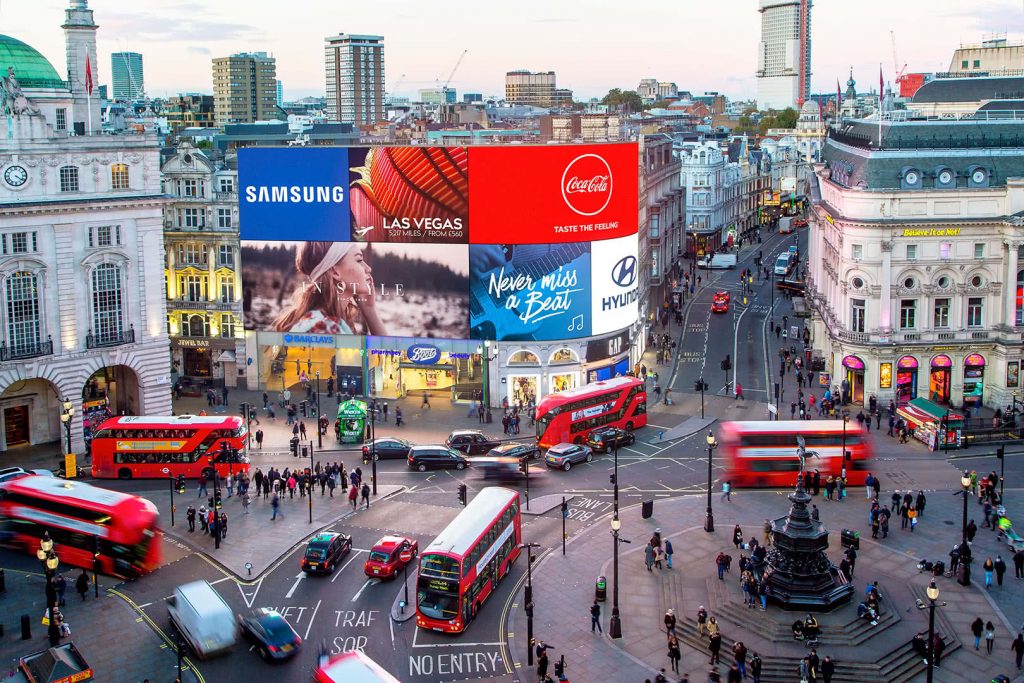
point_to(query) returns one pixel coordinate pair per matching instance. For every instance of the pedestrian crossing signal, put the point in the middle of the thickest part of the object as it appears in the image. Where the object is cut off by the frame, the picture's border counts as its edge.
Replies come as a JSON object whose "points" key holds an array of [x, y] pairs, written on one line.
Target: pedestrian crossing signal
{"points": [[462, 494]]}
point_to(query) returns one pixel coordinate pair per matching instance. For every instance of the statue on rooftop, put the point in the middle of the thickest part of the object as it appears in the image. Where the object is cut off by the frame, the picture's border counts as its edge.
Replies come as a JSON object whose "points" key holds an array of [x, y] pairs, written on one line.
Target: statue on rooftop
{"points": [[13, 99]]}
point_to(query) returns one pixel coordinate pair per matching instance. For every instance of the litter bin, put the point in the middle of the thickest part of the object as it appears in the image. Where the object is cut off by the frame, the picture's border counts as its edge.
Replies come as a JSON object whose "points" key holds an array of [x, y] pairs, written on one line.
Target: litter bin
{"points": [[601, 590], [647, 509], [850, 539], [963, 574]]}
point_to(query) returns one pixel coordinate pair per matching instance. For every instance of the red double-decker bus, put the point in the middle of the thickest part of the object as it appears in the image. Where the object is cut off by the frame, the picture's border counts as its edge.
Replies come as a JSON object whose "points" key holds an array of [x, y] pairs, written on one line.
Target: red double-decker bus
{"points": [[143, 447], [464, 564], [86, 523], [569, 416], [760, 453]]}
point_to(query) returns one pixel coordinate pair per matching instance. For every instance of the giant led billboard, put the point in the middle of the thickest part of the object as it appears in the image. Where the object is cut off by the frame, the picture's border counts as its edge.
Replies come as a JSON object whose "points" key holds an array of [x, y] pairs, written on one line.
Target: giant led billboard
{"points": [[506, 242]]}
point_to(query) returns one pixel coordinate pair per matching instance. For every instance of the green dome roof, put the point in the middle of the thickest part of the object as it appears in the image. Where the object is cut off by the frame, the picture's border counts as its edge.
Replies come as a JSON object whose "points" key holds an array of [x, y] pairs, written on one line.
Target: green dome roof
{"points": [[30, 68]]}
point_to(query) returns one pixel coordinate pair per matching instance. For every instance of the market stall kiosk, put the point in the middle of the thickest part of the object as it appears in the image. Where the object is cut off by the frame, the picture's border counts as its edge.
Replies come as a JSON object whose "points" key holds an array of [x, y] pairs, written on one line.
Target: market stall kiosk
{"points": [[925, 420], [352, 421]]}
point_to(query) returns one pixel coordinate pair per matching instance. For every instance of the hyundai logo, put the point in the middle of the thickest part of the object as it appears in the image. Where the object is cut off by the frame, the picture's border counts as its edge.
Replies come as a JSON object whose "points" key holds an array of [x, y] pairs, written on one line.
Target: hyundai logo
{"points": [[423, 354], [624, 272]]}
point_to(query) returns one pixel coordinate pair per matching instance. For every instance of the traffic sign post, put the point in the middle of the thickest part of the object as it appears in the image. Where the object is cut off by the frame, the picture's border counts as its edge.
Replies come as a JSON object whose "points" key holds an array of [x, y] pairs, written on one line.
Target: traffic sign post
{"points": [[406, 557]]}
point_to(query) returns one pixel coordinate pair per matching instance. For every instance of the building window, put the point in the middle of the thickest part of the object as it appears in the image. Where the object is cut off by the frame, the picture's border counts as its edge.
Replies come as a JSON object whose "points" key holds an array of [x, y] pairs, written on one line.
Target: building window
{"points": [[227, 325], [908, 314], [858, 251], [22, 312], [190, 187], [119, 177], [974, 311], [192, 253], [979, 250], [107, 321], [941, 313], [964, 63], [226, 256], [105, 236], [911, 252], [192, 287], [977, 63], [68, 179], [226, 184], [858, 314], [195, 326], [62, 119], [224, 218], [191, 218], [945, 250], [19, 243], [227, 290]]}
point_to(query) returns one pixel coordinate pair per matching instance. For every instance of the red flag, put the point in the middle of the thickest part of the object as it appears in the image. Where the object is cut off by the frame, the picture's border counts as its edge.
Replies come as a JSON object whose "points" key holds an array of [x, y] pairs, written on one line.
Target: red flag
{"points": [[88, 75]]}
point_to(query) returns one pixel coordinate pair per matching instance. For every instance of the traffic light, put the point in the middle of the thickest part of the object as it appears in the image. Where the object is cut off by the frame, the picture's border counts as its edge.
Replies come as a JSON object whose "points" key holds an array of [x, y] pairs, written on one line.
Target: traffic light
{"points": [[524, 466], [243, 408], [462, 494], [181, 484], [565, 509], [1001, 452], [294, 444], [611, 479], [216, 499], [727, 363]]}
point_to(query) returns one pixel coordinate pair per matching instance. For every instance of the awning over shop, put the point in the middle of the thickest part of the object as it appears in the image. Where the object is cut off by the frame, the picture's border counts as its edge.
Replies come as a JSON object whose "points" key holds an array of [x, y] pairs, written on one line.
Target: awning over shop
{"points": [[227, 356], [921, 410]]}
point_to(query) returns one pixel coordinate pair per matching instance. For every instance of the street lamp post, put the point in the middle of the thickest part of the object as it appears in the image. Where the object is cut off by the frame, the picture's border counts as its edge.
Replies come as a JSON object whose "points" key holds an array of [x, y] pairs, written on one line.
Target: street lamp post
{"points": [[615, 625], [529, 599], [933, 594], [312, 473], [66, 414], [319, 432], [709, 520], [373, 447], [965, 491], [49, 561]]}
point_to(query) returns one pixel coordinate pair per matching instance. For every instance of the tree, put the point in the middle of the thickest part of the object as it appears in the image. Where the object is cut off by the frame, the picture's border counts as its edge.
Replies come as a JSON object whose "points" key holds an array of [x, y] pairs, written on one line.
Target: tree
{"points": [[619, 99]]}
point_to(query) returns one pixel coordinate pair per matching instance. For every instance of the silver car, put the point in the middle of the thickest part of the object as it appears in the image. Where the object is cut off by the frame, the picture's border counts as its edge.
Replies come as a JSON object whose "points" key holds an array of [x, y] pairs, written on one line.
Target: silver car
{"points": [[565, 455]]}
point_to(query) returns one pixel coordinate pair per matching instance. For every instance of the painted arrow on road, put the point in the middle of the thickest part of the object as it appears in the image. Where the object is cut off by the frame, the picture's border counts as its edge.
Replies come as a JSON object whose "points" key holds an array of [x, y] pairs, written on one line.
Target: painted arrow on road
{"points": [[298, 577]]}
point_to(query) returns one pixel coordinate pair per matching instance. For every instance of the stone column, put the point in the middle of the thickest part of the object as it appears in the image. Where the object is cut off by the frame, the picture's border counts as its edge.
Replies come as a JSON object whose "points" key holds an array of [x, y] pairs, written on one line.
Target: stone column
{"points": [[885, 300], [1010, 291]]}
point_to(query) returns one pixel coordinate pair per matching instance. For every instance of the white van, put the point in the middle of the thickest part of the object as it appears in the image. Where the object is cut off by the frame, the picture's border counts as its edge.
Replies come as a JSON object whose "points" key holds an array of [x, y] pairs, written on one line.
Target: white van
{"points": [[718, 261], [782, 264], [202, 617]]}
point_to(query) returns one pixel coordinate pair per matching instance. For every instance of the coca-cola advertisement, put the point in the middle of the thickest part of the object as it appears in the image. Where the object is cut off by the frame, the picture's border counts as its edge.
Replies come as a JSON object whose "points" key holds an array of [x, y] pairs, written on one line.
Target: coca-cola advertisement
{"points": [[554, 193], [331, 288]]}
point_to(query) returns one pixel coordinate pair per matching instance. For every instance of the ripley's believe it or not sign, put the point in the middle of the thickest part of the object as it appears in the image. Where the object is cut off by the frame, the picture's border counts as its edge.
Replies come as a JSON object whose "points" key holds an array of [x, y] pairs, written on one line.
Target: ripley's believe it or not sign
{"points": [[513, 243]]}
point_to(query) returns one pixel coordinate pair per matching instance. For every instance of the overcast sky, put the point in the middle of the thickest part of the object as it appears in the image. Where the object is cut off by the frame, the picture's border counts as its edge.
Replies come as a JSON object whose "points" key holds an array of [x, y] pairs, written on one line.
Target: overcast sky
{"points": [[592, 45]]}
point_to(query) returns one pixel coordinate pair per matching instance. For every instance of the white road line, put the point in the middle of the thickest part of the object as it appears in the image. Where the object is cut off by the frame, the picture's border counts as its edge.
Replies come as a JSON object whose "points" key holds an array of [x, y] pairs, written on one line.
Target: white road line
{"points": [[391, 625], [338, 572], [310, 624], [145, 606], [298, 578], [226, 578], [460, 644], [369, 582]]}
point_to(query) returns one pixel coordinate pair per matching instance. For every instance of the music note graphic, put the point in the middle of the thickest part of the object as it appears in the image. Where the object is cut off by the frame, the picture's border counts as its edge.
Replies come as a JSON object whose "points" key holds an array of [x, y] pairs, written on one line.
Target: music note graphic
{"points": [[576, 323]]}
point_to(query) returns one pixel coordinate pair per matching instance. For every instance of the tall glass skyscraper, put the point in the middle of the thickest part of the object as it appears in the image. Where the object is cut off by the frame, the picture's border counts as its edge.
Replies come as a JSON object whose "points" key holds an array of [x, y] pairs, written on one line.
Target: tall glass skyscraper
{"points": [[126, 72]]}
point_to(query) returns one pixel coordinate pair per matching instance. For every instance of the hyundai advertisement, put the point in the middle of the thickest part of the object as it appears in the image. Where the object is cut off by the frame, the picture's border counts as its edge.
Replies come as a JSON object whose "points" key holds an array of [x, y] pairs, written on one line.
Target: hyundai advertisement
{"points": [[539, 243]]}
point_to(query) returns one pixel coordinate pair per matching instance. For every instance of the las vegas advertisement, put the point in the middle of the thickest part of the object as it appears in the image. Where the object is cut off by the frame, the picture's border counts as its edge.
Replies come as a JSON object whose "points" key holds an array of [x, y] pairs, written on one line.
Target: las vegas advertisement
{"points": [[537, 243]]}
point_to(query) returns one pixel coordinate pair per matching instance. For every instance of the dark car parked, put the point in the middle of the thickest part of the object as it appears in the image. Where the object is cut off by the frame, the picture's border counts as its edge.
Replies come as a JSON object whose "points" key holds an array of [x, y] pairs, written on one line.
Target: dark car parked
{"points": [[604, 439], [387, 448], [425, 458], [470, 442], [273, 637], [325, 551]]}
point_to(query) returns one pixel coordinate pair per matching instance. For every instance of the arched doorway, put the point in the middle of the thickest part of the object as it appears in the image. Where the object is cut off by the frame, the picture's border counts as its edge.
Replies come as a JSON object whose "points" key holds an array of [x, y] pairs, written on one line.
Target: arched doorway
{"points": [[524, 377], [853, 382], [29, 414], [113, 390], [906, 379], [974, 380], [939, 378]]}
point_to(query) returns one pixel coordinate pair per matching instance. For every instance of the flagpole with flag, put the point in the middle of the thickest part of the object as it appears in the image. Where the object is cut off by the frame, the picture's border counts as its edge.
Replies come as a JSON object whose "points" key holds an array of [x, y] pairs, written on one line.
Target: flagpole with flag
{"points": [[881, 91], [88, 90], [839, 99]]}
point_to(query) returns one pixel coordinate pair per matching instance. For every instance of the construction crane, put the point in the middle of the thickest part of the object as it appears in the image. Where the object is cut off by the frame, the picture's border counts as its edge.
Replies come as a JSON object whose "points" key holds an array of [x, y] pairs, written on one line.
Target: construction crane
{"points": [[444, 88], [897, 69], [394, 89]]}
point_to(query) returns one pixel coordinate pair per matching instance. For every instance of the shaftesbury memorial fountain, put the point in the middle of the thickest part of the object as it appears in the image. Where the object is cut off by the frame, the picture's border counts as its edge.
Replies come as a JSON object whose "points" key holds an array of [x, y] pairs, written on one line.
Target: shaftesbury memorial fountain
{"points": [[799, 575]]}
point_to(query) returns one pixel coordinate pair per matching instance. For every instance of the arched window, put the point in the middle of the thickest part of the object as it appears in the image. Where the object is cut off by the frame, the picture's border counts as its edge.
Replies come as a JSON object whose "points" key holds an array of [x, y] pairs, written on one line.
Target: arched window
{"points": [[119, 177], [523, 358], [564, 355], [22, 298], [197, 326], [1019, 298], [69, 179], [107, 314]]}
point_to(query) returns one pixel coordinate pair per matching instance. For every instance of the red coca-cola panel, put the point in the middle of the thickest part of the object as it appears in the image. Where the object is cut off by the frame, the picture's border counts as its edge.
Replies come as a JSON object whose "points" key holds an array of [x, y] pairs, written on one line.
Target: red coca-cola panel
{"points": [[533, 194]]}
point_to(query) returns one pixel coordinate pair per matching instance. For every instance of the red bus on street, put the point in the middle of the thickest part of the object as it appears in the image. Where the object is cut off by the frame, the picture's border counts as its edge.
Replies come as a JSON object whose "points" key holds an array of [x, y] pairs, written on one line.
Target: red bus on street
{"points": [[569, 416], [765, 453], [81, 520], [464, 564], [143, 447]]}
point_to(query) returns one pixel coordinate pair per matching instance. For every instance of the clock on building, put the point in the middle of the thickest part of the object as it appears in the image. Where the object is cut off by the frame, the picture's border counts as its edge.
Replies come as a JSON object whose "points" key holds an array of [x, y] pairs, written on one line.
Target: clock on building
{"points": [[15, 176]]}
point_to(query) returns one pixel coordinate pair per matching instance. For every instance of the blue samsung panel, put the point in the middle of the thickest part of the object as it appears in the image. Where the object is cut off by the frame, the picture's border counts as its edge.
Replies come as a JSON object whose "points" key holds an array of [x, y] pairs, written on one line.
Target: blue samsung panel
{"points": [[294, 193]]}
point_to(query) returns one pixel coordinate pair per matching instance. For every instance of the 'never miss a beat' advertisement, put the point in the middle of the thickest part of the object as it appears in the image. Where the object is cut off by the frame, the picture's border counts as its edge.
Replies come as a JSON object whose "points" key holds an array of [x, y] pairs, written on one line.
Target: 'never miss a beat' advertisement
{"points": [[506, 243]]}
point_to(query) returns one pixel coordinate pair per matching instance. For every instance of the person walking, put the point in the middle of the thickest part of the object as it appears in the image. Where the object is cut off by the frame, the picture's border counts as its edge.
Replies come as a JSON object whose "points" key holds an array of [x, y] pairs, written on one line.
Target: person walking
{"points": [[366, 496], [259, 439], [702, 621], [668, 553], [828, 669], [1018, 648], [82, 584], [869, 486], [202, 486], [737, 536], [990, 636], [1018, 564], [190, 515], [977, 628], [989, 567], [542, 659], [275, 506], [353, 496], [715, 647], [739, 392], [727, 491], [919, 503], [1000, 567], [595, 617], [674, 654], [755, 668], [670, 622], [649, 556], [739, 653]]}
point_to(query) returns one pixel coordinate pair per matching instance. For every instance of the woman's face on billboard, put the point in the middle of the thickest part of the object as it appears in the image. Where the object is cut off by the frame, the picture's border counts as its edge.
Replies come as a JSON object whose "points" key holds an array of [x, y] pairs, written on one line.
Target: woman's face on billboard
{"points": [[353, 270]]}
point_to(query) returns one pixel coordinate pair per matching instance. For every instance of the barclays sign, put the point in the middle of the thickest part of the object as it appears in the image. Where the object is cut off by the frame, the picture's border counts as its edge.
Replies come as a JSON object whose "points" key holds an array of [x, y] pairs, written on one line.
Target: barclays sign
{"points": [[309, 339], [423, 354]]}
